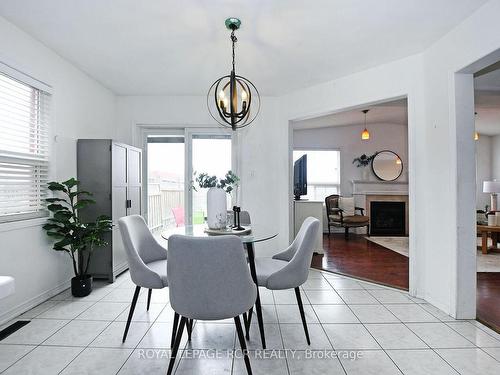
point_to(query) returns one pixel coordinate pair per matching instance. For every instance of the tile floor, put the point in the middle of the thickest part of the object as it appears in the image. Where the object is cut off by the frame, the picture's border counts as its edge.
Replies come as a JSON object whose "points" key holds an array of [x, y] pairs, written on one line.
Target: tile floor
{"points": [[386, 330]]}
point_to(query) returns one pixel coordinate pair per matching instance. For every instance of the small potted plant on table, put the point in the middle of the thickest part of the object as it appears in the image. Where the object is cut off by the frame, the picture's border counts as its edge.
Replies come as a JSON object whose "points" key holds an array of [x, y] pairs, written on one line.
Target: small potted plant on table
{"points": [[73, 236]]}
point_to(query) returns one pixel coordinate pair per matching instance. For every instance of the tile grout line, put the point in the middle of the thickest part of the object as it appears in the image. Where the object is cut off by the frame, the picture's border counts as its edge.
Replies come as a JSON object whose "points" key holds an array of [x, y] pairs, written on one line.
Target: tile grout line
{"points": [[323, 328]]}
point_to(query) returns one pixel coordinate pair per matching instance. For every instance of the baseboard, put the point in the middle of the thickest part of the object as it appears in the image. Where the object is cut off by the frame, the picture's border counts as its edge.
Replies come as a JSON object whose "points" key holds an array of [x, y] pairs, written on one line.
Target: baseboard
{"points": [[35, 301]]}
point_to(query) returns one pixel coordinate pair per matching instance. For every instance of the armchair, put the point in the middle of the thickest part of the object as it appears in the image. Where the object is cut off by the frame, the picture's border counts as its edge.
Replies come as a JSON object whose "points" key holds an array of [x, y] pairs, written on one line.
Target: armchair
{"points": [[338, 218]]}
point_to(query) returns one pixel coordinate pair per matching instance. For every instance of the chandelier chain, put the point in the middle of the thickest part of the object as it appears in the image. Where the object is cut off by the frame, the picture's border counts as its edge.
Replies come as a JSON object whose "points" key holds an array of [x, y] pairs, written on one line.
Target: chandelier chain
{"points": [[233, 40]]}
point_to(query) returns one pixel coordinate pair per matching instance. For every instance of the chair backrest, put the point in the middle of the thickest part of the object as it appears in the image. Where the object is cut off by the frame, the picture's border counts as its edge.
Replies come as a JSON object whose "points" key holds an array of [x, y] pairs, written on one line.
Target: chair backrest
{"points": [[140, 248], [244, 218], [179, 216], [332, 201], [208, 277], [298, 256]]}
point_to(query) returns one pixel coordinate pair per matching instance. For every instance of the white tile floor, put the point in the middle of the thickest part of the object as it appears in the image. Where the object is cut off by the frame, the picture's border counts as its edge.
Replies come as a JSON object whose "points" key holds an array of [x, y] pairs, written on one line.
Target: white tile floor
{"points": [[389, 332]]}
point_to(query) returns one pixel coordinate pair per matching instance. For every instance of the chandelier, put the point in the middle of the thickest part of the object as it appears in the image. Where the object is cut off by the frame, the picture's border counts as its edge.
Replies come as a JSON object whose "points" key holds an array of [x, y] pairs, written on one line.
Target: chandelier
{"points": [[233, 101]]}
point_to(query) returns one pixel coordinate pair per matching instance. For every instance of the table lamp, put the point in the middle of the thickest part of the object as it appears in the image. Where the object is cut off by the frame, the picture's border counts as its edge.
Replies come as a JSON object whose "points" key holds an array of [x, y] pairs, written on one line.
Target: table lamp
{"points": [[492, 187]]}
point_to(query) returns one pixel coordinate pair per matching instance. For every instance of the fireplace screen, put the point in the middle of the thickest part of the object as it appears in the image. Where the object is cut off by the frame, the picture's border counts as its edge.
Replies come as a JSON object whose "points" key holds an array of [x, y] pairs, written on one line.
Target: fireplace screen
{"points": [[387, 218]]}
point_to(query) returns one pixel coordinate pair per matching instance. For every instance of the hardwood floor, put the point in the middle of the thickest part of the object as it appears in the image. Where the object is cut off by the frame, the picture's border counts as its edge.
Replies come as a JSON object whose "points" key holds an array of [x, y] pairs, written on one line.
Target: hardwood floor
{"points": [[363, 259], [366, 260], [488, 299]]}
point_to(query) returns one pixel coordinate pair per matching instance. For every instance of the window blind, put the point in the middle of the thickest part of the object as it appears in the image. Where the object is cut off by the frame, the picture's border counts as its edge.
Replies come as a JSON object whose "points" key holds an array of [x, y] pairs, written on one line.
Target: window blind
{"points": [[24, 150]]}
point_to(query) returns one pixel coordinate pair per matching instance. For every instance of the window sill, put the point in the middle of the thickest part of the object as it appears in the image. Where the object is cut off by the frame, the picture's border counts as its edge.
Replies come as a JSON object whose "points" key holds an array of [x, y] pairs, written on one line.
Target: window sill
{"points": [[14, 225]]}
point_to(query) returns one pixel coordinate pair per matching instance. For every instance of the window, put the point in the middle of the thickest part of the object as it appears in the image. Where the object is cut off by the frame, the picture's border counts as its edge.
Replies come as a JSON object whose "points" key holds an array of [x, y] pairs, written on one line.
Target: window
{"points": [[323, 172], [24, 153]]}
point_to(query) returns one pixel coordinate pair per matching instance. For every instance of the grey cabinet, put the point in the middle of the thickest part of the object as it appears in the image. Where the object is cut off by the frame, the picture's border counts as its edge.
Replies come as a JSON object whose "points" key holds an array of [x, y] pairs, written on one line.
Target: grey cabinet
{"points": [[112, 172]]}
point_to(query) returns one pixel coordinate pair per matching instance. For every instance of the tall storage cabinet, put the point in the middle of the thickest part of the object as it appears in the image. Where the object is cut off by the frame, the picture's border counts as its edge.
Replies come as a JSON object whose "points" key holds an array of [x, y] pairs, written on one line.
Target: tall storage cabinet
{"points": [[112, 172]]}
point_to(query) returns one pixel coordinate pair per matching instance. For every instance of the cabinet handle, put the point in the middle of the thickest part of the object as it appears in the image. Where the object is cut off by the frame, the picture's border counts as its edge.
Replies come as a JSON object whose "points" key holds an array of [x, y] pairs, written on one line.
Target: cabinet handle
{"points": [[128, 203]]}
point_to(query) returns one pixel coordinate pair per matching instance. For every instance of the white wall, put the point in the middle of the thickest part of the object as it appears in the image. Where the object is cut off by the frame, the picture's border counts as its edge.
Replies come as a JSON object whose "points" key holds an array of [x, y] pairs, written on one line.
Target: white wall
{"points": [[81, 108], [347, 139], [484, 168], [495, 157]]}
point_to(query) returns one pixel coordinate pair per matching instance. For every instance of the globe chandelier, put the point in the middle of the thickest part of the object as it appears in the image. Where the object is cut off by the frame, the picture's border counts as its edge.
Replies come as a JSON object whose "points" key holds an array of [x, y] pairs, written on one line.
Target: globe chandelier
{"points": [[233, 100]]}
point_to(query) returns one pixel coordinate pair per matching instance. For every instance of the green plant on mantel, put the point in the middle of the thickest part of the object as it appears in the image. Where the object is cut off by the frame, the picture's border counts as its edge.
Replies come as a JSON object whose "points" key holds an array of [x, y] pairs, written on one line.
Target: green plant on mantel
{"points": [[363, 160], [205, 181], [73, 236]]}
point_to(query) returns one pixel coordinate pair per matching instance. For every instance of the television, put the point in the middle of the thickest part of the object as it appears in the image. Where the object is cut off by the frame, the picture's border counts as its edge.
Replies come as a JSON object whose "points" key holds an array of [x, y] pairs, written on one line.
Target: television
{"points": [[300, 177]]}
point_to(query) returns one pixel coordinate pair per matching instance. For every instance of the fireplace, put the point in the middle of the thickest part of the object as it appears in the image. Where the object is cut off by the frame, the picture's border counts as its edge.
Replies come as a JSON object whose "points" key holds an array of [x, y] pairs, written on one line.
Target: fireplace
{"points": [[387, 218]]}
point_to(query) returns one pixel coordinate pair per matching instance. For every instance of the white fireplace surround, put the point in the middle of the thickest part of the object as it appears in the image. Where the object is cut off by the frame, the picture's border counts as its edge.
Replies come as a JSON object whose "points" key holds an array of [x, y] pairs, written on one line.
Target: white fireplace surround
{"points": [[364, 191]]}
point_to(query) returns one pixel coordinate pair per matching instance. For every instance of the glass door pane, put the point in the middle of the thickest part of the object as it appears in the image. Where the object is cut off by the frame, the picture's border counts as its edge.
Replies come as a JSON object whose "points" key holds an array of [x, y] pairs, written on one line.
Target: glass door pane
{"points": [[166, 182], [211, 154]]}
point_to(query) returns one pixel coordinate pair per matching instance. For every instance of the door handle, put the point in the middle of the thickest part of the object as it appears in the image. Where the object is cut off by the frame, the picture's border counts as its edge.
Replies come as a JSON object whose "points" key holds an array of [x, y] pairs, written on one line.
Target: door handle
{"points": [[128, 203]]}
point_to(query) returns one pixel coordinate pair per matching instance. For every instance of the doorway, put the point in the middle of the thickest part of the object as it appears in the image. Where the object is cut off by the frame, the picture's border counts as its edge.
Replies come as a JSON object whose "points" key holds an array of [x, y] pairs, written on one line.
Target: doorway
{"points": [[172, 159], [384, 256]]}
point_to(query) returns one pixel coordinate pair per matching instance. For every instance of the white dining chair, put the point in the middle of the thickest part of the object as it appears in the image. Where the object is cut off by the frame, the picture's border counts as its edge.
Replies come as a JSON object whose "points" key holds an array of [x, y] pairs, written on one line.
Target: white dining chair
{"points": [[290, 268]]}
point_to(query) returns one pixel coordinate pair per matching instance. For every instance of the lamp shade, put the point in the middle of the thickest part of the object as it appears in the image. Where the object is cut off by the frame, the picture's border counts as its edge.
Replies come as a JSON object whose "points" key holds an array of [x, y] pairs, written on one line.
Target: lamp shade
{"points": [[491, 186]]}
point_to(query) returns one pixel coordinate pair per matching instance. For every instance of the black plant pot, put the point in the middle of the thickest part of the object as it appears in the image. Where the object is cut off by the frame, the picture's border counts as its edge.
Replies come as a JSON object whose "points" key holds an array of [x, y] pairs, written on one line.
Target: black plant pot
{"points": [[81, 286]]}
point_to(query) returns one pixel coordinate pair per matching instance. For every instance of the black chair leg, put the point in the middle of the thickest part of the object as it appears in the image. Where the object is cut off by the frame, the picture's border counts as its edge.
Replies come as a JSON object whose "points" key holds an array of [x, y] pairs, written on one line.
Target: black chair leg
{"points": [[177, 343], [260, 320], [302, 315], [189, 327], [329, 230], [174, 329], [149, 298], [346, 233], [131, 311], [243, 344], [247, 323]]}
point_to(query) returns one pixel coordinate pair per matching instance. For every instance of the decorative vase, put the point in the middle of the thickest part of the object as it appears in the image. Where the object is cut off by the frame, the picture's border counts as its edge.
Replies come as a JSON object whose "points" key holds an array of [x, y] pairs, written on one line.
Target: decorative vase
{"points": [[216, 208], [365, 174], [81, 286]]}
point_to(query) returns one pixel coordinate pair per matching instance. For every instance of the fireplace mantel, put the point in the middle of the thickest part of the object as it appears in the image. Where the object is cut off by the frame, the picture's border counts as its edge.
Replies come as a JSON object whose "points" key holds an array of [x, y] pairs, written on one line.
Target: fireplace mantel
{"points": [[360, 187]]}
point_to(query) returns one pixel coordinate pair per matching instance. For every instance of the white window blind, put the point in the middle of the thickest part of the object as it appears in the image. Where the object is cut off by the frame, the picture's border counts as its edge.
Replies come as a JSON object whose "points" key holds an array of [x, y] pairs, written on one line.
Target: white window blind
{"points": [[24, 150]]}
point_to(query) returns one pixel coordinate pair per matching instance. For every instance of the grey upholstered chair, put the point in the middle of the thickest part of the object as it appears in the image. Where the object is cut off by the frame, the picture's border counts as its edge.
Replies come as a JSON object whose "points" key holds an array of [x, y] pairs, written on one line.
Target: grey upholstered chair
{"points": [[147, 259], [208, 279], [290, 268]]}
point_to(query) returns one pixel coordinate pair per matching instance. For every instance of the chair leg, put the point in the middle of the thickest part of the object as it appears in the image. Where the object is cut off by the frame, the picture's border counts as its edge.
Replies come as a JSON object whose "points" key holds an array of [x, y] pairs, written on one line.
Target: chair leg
{"points": [[131, 311], [149, 298], [260, 320], [346, 233], [189, 327], [302, 315], [177, 343], [329, 231], [243, 344], [174, 329], [247, 324]]}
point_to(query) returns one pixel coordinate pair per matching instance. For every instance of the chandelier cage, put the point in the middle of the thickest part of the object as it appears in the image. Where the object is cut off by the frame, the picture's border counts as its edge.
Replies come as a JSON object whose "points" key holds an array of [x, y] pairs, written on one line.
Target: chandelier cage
{"points": [[233, 100]]}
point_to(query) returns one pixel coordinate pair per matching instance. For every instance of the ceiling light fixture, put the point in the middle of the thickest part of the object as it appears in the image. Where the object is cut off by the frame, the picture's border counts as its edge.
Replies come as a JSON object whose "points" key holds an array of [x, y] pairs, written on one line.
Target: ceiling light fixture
{"points": [[233, 101], [365, 135]]}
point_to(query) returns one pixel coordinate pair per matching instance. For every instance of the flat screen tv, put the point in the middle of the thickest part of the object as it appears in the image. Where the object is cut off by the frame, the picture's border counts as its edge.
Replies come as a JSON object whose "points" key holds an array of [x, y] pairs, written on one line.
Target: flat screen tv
{"points": [[300, 177]]}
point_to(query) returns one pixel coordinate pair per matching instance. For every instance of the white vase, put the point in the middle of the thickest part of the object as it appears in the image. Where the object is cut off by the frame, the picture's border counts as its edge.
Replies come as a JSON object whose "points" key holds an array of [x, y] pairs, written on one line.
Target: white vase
{"points": [[216, 208], [365, 174]]}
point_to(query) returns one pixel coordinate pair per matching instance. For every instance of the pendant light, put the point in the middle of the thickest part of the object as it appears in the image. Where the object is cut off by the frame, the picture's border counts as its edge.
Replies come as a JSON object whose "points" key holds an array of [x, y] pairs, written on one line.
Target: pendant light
{"points": [[233, 101], [365, 135], [476, 134]]}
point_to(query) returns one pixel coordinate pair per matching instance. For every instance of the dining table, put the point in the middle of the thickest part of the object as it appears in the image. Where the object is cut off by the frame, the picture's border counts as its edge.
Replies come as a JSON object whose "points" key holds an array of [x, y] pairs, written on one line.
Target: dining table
{"points": [[252, 235]]}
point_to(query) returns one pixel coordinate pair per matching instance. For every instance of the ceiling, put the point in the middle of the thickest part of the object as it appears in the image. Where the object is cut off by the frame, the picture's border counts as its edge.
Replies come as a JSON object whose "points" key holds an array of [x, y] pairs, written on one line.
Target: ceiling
{"points": [[394, 112], [172, 47]]}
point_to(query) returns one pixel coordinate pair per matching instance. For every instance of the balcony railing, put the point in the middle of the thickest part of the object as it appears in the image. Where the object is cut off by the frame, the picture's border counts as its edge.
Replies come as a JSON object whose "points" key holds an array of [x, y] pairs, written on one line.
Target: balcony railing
{"points": [[160, 207]]}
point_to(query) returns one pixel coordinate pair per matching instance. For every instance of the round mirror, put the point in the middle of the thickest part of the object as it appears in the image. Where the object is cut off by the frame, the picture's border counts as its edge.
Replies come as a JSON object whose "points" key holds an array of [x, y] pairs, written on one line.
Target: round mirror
{"points": [[387, 165]]}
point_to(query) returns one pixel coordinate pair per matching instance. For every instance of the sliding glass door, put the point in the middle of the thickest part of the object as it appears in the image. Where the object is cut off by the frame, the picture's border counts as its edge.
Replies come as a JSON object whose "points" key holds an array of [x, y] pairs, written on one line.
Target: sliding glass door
{"points": [[171, 158]]}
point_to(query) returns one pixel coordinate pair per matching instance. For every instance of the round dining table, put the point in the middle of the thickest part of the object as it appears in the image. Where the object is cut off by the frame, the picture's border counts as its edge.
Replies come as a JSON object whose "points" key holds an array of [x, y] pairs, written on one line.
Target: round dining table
{"points": [[256, 234]]}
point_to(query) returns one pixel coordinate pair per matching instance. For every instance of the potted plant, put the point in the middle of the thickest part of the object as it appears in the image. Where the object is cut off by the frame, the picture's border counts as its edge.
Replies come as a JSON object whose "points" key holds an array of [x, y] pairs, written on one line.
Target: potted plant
{"points": [[216, 196], [73, 236], [362, 162]]}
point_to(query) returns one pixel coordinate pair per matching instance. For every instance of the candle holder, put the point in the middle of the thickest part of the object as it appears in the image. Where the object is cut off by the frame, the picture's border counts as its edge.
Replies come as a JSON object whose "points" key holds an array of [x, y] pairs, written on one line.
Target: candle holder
{"points": [[236, 218]]}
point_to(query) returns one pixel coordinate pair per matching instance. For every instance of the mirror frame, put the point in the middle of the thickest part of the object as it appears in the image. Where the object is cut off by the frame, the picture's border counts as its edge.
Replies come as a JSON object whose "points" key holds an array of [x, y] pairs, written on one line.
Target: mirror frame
{"points": [[392, 152]]}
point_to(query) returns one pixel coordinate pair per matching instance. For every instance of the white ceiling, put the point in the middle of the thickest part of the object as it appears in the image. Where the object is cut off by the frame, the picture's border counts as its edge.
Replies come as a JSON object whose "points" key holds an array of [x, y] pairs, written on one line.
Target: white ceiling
{"points": [[174, 47], [394, 112]]}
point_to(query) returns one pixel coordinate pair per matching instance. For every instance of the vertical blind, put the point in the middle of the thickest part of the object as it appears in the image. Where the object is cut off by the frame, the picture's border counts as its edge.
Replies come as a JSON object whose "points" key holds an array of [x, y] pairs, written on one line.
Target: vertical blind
{"points": [[24, 150]]}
